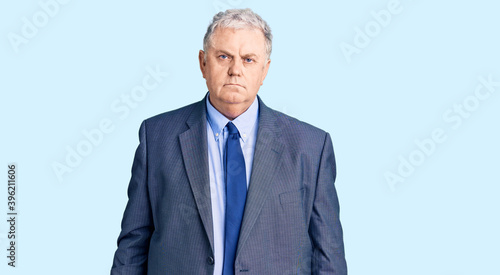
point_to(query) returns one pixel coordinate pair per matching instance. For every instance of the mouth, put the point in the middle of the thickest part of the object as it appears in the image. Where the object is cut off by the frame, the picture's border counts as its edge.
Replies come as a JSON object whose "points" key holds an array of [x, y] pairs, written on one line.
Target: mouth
{"points": [[234, 84]]}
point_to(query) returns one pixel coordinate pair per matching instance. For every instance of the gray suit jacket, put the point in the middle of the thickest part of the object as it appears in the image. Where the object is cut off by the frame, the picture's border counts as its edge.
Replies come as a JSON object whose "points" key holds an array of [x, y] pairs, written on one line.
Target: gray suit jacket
{"points": [[291, 220]]}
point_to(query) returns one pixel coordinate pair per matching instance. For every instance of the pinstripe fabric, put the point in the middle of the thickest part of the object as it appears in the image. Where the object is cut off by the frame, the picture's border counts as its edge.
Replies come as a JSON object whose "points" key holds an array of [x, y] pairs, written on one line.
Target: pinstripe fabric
{"points": [[291, 221]]}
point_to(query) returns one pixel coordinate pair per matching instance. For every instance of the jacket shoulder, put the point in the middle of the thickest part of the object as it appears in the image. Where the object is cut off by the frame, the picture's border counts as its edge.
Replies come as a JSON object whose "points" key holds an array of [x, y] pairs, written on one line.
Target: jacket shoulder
{"points": [[173, 121], [299, 136], [294, 126], [176, 115]]}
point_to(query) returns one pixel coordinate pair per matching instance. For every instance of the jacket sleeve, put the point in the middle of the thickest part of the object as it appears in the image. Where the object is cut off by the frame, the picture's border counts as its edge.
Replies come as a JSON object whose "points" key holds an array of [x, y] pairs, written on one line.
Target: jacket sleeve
{"points": [[324, 228], [131, 256]]}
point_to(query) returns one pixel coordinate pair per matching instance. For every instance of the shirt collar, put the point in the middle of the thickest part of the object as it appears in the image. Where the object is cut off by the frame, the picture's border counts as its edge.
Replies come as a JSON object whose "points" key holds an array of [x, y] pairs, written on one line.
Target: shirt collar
{"points": [[244, 122]]}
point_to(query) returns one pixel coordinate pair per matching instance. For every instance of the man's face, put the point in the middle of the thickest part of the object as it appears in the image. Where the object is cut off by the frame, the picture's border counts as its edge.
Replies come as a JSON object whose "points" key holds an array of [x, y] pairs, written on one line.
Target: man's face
{"points": [[234, 67]]}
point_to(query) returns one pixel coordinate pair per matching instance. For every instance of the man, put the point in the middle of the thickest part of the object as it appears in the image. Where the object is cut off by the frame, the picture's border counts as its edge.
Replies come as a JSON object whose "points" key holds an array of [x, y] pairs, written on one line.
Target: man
{"points": [[227, 185]]}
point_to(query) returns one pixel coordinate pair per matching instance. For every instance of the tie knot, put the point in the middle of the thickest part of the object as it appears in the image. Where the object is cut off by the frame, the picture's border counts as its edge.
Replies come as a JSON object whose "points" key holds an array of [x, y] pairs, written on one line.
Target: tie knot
{"points": [[231, 128]]}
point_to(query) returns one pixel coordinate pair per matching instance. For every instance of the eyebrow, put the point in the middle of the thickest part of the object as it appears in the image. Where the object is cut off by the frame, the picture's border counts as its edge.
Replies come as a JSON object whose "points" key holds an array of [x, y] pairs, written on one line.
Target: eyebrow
{"points": [[229, 54], [223, 52], [250, 55]]}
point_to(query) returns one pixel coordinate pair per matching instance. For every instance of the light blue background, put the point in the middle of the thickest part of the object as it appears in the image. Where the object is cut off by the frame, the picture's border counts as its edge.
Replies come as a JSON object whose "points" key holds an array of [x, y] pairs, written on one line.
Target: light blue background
{"points": [[443, 219]]}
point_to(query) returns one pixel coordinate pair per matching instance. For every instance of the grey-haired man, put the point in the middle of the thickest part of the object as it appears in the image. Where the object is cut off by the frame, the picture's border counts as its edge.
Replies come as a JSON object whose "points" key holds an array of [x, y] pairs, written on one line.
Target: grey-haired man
{"points": [[227, 185]]}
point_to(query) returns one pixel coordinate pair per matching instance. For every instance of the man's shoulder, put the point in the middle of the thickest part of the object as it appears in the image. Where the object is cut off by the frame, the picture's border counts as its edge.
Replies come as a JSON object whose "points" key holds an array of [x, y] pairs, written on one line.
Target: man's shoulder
{"points": [[293, 126], [174, 115], [299, 136], [173, 118]]}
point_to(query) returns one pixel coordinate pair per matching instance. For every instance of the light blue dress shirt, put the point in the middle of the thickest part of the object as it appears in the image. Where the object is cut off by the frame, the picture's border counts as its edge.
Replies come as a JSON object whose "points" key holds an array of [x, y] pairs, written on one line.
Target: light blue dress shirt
{"points": [[247, 124]]}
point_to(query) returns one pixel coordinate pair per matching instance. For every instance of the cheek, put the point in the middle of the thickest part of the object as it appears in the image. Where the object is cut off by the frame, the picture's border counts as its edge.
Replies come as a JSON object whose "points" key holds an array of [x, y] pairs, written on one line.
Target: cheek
{"points": [[215, 81], [257, 78], [217, 73]]}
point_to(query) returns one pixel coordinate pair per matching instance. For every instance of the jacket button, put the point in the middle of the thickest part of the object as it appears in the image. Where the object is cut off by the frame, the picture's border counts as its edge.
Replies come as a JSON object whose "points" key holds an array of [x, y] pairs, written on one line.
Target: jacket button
{"points": [[210, 260]]}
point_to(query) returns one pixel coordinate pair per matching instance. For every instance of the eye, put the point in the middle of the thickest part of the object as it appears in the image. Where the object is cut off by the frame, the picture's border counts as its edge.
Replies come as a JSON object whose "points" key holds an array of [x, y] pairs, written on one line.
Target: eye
{"points": [[248, 60], [223, 56]]}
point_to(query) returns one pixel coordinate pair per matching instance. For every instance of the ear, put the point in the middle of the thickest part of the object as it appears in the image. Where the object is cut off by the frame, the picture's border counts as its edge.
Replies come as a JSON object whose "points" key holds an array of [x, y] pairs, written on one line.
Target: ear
{"points": [[265, 71], [201, 59]]}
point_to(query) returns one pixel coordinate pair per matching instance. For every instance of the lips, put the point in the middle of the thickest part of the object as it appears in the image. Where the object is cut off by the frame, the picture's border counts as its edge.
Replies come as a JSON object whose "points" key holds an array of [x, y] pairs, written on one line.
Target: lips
{"points": [[233, 84]]}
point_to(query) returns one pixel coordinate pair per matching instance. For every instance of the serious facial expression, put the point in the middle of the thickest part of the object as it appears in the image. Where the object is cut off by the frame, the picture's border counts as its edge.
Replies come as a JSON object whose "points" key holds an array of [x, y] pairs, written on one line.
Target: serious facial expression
{"points": [[234, 67]]}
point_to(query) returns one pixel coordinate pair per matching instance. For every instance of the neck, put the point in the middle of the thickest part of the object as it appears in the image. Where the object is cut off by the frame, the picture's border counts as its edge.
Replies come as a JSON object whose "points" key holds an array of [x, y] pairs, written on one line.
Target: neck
{"points": [[231, 111]]}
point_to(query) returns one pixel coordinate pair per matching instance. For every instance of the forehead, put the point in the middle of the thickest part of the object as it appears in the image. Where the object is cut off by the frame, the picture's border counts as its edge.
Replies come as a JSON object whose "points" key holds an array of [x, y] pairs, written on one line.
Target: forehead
{"points": [[239, 40]]}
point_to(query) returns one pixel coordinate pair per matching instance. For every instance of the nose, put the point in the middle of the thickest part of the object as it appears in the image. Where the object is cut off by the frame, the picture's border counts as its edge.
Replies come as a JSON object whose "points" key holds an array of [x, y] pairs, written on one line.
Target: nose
{"points": [[235, 68]]}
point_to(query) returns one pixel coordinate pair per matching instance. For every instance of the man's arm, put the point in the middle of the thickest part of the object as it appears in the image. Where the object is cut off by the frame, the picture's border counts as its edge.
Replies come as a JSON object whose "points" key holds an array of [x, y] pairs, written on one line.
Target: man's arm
{"points": [[131, 257], [325, 229]]}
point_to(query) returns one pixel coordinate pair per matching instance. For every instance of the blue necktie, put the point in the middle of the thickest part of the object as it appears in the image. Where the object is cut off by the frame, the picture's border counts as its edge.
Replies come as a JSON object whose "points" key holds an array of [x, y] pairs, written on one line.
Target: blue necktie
{"points": [[236, 194]]}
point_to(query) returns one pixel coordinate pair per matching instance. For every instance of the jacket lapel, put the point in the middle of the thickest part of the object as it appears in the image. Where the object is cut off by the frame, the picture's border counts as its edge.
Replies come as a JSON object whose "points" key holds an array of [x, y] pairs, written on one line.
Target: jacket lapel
{"points": [[195, 154], [266, 160]]}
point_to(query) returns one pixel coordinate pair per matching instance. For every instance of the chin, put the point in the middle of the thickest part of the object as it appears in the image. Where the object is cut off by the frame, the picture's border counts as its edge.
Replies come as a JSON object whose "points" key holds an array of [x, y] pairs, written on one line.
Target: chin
{"points": [[233, 96], [233, 100]]}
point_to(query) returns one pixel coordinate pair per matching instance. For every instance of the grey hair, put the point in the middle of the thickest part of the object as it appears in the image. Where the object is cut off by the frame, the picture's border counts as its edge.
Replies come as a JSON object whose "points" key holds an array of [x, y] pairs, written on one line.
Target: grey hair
{"points": [[239, 19]]}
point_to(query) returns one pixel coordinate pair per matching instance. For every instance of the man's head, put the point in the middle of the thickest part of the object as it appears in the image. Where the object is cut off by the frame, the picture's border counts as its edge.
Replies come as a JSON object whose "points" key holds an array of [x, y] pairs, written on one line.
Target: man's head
{"points": [[235, 59]]}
